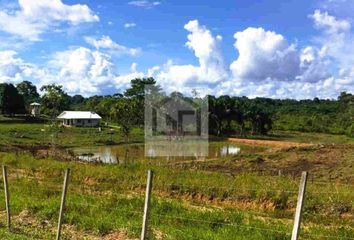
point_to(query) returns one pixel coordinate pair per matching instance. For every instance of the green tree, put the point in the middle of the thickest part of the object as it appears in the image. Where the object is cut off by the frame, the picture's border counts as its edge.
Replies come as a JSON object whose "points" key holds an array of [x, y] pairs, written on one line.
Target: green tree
{"points": [[136, 92], [11, 102], [346, 101], [124, 114], [28, 91], [137, 88], [54, 100], [259, 115]]}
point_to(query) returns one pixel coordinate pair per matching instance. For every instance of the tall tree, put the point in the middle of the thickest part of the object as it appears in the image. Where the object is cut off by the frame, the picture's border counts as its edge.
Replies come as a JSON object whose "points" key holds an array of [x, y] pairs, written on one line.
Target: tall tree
{"points": [[28, 91], [138, 85], [54, 100], [124, 114], [11, 102], [346, 101], [137, 93]]}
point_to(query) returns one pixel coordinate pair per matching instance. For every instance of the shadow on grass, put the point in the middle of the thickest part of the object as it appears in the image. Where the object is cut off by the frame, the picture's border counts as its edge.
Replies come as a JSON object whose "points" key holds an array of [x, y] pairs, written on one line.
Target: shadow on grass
{"points": [[16, 119]]}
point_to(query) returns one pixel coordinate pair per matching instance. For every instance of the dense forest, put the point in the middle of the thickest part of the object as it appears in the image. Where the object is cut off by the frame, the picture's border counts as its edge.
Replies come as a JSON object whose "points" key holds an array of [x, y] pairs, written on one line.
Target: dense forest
{"points": [[227, 115]]}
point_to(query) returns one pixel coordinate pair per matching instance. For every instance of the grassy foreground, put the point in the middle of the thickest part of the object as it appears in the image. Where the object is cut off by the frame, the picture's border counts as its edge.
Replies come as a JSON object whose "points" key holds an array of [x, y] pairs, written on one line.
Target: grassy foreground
{"points": [[106, 202], [232, 197]]}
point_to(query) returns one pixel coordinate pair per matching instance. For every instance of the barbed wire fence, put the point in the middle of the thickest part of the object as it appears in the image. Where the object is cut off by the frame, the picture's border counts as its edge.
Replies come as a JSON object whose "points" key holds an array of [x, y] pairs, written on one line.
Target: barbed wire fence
{"points": [[147, 210]]}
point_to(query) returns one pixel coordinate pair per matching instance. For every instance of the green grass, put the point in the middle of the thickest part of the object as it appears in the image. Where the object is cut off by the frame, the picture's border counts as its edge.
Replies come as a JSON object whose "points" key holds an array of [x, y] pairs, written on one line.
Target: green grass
{"points": [[219, 199], [186, 204], [19, 132], [33, 134]]}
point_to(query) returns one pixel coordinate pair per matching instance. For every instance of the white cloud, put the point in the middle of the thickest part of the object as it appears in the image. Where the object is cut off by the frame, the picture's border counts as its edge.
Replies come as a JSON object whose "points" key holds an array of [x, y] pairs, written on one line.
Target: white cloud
{"points": [[211, 68], [79, 70], [84, 71], [133, 67], [20, 26], [144, 3], [105, 42], [129, 25], [11, 67], [122, 82], [328, 22], [36, 16], [337, 44], [264, 55], [267, 65], [314, 64], [14, 69], [55, 10]]}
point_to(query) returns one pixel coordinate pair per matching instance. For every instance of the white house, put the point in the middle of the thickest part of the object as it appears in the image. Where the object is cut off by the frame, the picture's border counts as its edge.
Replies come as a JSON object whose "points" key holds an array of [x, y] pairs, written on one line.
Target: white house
{"points": [[80, 118]]}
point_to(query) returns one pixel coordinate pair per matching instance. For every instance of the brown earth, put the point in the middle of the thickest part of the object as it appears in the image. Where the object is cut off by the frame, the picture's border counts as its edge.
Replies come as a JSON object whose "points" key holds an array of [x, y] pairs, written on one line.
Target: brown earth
{"points": [[275, 144], [24, 224]]}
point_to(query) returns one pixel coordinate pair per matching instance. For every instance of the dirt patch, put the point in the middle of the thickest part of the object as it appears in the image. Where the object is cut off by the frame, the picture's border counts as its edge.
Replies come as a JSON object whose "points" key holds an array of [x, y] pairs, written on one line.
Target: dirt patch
{"points": [[205, 200], [26, 224], [275, 144], [74, 234]]}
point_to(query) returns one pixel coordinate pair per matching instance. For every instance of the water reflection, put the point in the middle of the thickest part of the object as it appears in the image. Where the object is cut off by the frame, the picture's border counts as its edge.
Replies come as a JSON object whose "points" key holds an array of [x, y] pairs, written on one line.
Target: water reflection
{"points": [[229, 150], [132, 152]]}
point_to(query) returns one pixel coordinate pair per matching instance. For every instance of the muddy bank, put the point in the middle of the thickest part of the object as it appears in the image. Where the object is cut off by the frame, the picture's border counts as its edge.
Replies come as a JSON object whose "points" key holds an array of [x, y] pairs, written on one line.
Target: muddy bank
{"points": [[40, 151], [275, 144]]}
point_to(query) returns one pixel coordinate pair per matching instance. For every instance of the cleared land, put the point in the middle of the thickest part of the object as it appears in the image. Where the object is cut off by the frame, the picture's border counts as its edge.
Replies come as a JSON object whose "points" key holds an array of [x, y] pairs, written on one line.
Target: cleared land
{"points": [[233, 197]]}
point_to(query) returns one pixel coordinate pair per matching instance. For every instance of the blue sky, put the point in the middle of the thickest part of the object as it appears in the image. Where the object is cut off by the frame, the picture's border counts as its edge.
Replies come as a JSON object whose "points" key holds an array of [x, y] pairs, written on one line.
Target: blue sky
{"points": [[279, 49]]}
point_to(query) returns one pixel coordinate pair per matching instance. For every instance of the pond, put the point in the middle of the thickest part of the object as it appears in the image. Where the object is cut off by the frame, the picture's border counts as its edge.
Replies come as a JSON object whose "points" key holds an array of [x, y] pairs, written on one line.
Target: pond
{"points": [[132, 152]]}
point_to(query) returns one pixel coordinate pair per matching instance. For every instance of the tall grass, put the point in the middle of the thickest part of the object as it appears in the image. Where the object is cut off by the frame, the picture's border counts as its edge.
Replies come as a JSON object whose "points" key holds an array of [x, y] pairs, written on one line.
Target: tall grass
{"points": [[186, 204]]}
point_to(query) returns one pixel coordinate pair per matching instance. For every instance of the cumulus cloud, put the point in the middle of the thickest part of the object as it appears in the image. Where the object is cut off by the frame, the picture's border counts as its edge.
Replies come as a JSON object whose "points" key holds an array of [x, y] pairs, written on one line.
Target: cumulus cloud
{"points": [[105, 42], [84, 71], [11, 67], [33, 17], [55, 10], [144, 3], [328, 22], [264, 55], [79, 70], [267, 65], [337, 43], [314, 64], [14, 69], [211, 68]]}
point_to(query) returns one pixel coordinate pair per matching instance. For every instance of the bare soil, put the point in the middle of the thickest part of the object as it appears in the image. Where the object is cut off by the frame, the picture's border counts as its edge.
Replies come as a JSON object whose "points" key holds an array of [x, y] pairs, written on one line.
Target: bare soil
{"points": [[275, 144]]}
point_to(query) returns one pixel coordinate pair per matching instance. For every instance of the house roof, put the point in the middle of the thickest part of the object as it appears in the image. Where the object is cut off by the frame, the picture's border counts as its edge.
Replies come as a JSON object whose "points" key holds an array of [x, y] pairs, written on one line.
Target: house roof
{"points": [[78, 115], [35, 104]]}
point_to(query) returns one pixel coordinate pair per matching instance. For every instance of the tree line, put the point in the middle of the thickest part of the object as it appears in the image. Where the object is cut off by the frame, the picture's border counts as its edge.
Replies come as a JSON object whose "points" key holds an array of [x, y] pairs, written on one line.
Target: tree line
{"points": [[228, 115]]}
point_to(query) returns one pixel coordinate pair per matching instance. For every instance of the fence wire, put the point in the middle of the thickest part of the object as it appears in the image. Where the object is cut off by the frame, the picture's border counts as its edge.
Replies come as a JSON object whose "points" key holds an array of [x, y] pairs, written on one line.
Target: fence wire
{"points": [[55, 187]]}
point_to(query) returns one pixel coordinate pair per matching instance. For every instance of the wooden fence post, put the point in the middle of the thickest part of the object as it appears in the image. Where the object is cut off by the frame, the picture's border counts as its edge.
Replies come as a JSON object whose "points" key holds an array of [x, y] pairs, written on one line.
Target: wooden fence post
{"points": [[300, 202], [144, 229], [62, 204], [7, 197]]}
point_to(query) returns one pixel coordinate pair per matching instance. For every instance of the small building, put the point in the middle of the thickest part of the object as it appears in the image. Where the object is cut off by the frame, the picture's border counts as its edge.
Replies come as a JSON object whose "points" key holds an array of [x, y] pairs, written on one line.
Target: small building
{"points": [[34, 107], [80, 118]]}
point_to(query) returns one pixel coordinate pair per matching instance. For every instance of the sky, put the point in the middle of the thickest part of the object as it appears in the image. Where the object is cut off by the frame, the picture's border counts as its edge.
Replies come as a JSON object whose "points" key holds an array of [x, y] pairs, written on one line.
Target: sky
{"points": [[266, 48]]}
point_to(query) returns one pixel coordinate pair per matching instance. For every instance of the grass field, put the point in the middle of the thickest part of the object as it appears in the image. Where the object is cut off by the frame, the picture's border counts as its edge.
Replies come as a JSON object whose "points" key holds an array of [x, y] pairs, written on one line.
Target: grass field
{"points": [[234, 197], [43, 134], [105, 200]]}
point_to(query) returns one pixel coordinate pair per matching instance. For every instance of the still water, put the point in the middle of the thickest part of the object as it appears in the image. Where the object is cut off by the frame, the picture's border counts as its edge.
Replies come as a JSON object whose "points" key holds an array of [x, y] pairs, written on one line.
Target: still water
{"points": [[131, 152]]}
